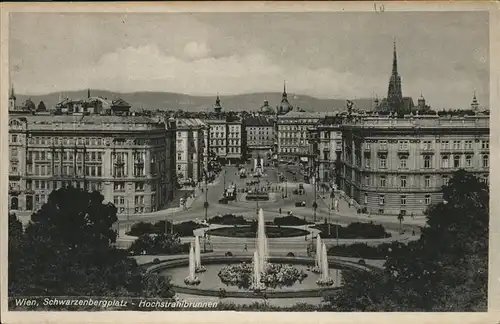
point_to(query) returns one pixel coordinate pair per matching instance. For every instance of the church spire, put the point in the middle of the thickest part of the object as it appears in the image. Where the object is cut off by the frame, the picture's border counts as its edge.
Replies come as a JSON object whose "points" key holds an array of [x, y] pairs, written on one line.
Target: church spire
{"points": [[88, 93], [12, 95], [394, 93], [284, 90], [395, 60]]}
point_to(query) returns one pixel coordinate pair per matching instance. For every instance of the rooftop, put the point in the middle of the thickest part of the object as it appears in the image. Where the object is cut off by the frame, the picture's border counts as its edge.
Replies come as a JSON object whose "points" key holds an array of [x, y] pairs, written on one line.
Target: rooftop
{"points": [[258, 121], [189, 123]]}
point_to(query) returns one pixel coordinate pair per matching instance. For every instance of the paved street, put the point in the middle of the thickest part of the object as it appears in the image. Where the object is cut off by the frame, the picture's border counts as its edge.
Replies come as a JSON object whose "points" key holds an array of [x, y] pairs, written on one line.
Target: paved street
{"points": [[229, 175]]}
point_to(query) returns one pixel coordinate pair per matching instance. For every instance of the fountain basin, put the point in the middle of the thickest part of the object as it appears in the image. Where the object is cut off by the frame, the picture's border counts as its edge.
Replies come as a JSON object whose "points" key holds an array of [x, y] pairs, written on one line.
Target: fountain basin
{"points": [[210, 284]]}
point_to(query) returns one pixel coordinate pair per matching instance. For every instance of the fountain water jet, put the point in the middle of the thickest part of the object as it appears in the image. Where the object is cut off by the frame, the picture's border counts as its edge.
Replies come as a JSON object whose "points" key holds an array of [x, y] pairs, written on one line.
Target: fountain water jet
{"points": [[317, 265], [262, 249], [197, 253], [191, 279], [324, 280]]}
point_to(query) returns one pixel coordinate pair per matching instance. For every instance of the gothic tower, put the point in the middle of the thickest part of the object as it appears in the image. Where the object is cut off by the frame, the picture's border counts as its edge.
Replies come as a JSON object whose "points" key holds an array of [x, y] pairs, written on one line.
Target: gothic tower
{"points": [[395, 95], [12, 100]]}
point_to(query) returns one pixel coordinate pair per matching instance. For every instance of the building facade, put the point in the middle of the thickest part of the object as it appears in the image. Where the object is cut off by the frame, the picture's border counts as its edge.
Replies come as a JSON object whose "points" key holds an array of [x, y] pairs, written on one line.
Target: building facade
{"points": [[190, 149], [293, 131], [325, 139], [399, 165], [226, 139], [127, 158], [260, 137]]}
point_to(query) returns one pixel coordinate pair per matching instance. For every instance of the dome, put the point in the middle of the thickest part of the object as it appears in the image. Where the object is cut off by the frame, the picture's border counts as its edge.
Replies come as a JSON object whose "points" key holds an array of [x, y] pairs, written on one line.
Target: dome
{"points": [[284, 107], [265, 108], [29, 105]]}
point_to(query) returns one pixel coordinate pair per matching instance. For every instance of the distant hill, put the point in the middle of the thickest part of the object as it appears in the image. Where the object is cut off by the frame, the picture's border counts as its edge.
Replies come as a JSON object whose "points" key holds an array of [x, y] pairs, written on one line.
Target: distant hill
{"points": [[176, 101]]}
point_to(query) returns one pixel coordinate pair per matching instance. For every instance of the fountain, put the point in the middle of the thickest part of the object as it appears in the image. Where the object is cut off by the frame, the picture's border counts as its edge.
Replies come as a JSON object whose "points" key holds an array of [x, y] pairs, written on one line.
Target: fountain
{"points": [[256, 282], [325, 279], [191, 279], [262, 250], [197, 252], [318, 264]]}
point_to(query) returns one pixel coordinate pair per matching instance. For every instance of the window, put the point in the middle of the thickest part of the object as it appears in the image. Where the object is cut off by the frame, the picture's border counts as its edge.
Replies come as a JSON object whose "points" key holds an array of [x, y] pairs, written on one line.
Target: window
{"points": [[427, 162], [367, 180], [468, 144], [403, 145], [445, 180], [403, 200], [381, 200], [119, 186], [456, 145], [427, 181], [468, 161], [366, 198], [383, 162], [403, 162], [445, 145], [383, 145], [382, 181], [427, 145], [402, 181], [456, 161], [179, 156], [485, 161], [485, 144], [139, 186], [445, 163], [427, 200]]}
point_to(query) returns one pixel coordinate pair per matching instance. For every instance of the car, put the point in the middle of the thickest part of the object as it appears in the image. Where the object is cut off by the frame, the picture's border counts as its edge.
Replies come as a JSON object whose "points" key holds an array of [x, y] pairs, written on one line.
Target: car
{"points": [[300, 204], [223, 201]]}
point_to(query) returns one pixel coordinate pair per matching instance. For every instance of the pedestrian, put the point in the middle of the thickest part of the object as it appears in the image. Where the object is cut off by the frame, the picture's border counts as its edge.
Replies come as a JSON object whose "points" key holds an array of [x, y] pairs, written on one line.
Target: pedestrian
{"points": [[280, 210], [245, 248]]}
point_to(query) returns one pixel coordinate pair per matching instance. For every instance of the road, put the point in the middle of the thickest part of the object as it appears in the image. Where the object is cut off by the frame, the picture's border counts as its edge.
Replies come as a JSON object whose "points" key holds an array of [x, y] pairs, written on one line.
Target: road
{"points": [[229, 175]]}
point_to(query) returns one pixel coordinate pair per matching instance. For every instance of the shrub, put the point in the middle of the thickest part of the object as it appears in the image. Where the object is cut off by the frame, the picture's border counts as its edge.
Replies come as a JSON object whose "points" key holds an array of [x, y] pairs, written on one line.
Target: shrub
{"points": [[228, 253], [153, 244], [354, 230], [228, 219], [156, 261], [290, 221], [363, 250], [362, 262], [290, 254]]}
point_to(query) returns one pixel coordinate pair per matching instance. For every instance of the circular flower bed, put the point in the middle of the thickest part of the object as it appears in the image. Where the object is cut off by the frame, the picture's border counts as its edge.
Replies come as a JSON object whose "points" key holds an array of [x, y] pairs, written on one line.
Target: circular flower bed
{"points": [[192, 282], [325, 282], [274, 276]]}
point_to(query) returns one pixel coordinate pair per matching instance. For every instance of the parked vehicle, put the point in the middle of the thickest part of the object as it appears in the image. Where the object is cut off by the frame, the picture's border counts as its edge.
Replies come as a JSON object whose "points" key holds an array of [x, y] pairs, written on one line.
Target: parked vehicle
{"points": [[300, 204]]}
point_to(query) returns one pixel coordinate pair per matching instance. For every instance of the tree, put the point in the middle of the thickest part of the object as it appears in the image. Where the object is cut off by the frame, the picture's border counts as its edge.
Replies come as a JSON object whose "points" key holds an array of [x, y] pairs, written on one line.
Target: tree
{"points": [[41, 106], [66, 250], [400, 219], [445, 270]]}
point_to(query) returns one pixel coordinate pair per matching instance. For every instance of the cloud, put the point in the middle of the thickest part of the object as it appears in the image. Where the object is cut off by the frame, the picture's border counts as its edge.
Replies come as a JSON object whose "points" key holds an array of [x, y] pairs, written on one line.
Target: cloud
{"points": [[196, 50]]}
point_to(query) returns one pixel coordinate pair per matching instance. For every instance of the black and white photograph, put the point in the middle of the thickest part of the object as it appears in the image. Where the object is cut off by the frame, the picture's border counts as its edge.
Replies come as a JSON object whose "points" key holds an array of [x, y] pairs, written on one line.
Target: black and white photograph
{"points": [[247, 161]]}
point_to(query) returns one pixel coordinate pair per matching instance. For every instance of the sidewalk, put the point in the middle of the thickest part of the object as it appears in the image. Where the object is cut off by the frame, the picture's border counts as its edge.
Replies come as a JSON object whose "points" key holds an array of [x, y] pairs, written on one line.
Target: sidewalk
{"points": [[346, 211]]}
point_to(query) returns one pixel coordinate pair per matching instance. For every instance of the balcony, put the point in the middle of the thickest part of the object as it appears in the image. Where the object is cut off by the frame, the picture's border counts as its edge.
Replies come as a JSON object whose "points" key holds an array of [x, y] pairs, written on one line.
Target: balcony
{"points": [[14, 189], [382, 149], [14, 174]]}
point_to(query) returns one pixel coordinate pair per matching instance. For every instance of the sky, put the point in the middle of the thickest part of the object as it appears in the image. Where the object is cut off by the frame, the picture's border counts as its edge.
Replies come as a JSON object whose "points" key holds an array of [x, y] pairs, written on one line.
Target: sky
{"points": [[442, 55]]}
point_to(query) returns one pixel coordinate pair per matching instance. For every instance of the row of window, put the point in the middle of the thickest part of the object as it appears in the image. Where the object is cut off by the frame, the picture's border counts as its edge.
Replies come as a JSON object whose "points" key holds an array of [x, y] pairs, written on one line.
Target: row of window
{"points": [[95, 141], [403, 200], [120, 200], [293, 135], [446, 161], [51, 185], [428, 145]]}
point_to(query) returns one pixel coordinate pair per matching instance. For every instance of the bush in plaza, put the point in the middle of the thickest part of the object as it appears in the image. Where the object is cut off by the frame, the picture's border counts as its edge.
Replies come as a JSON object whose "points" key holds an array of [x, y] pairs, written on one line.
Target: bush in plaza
{"points": [[228, 219], [152, 244], [182, 229], [140, 228], [290, 221], [353, 231], [362, 250]]}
